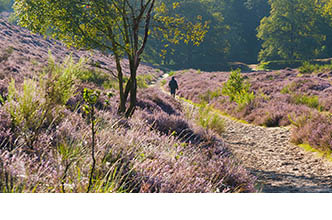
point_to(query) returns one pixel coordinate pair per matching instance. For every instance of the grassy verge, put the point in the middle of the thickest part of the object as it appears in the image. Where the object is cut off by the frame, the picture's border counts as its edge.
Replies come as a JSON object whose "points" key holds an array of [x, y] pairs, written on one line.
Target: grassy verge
{"points": [[324, 154]]}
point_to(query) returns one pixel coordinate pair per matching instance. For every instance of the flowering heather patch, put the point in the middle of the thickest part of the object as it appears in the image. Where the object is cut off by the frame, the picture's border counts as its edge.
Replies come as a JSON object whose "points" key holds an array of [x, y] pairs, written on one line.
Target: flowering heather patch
{"points": [[157, 150], [25, 54], [5, 125], [278, 95], [315, 130]]}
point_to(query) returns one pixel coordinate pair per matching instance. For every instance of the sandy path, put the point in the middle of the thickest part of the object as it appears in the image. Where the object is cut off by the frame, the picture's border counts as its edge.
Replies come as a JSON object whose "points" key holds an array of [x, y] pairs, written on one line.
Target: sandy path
{"points": [[280, 167]]}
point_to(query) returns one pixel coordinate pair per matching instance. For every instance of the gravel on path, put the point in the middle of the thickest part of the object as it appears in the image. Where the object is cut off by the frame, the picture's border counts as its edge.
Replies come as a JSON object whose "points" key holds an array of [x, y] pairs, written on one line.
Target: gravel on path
{"points": [[281, 167]]}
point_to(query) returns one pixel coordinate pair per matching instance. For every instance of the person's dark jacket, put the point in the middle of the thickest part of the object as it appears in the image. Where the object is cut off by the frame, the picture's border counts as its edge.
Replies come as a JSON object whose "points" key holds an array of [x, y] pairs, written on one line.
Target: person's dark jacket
{"points": [[173, 85]]}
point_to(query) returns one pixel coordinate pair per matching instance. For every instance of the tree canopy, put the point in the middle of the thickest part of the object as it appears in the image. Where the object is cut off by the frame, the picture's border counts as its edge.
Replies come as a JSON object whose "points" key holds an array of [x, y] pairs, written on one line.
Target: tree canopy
{"points": [[119, 27], [233, 30], [292, 31]]}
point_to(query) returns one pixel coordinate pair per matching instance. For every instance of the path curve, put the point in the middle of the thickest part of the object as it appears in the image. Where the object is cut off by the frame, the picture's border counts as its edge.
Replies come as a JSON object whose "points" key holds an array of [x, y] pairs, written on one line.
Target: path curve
{"points": [[280, 166]]}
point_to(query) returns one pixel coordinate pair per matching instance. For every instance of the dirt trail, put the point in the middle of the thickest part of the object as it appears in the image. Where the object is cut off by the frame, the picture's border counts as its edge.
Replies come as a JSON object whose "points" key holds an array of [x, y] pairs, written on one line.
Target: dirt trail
{"points": [[280, 167]]}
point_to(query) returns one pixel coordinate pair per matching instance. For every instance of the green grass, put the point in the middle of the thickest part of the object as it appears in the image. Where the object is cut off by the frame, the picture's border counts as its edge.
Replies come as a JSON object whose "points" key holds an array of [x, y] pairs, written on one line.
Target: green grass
{"points": [[210, 120], [324, 154], [215, 111], [210, 95], [163, 82], [143, 81], [310, 101], [97, 77], [172, 73]]}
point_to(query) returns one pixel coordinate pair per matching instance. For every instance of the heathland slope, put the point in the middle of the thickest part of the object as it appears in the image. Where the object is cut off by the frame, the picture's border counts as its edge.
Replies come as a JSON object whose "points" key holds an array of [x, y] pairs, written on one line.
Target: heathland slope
{"points": [[46, 134], [23, 53]]}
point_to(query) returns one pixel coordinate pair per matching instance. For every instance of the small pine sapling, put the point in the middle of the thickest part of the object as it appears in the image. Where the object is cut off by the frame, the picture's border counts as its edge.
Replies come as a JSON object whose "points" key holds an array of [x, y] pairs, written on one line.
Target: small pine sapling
{"points": [[90, 97]]}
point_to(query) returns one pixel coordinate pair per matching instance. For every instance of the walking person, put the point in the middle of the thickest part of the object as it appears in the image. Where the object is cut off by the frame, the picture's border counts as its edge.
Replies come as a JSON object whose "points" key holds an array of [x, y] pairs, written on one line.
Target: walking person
{"points": [[173, 85]]}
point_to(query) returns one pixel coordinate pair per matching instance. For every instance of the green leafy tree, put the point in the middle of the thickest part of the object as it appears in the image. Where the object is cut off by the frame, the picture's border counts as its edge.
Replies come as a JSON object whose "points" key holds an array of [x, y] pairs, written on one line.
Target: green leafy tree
{"points": [[326, 10], [231, 37], [292, 31], [120, 27]]}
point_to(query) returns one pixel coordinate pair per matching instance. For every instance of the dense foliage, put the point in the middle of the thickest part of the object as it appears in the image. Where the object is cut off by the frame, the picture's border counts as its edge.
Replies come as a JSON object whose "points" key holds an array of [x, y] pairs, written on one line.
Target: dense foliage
{"points": [[238, 31], [231, 37], [120, 27], [294, 30]]}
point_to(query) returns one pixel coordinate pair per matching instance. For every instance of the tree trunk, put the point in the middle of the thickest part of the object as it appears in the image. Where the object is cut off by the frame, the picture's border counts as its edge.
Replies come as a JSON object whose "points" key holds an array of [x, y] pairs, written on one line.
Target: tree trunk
{"points": [[133, 98], [123, 99], [133, 86]]}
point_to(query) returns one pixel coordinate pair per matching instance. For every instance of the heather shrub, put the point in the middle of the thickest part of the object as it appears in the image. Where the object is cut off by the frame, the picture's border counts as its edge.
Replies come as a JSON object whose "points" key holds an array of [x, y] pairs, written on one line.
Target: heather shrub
{"points": [[133, 158], [314, 129], [153, 100], [169, 124], [5, 54], [272, 119], [294, 86]]}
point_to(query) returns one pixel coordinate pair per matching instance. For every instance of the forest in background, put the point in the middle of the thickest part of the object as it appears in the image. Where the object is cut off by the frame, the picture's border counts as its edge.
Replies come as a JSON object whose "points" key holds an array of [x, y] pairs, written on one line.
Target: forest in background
{"points": [[247, 31]]}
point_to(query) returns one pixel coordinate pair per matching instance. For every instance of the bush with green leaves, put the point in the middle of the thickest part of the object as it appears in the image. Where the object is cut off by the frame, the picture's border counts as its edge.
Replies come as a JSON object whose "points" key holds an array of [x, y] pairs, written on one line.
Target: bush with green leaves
{"points": [[37, 105], [237, 89], [307, 67], [244, 98]]}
